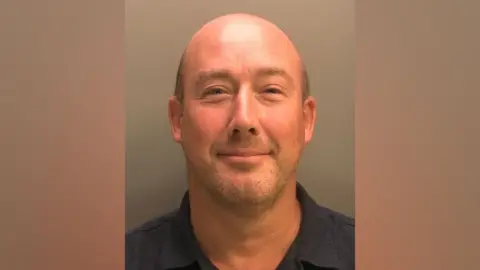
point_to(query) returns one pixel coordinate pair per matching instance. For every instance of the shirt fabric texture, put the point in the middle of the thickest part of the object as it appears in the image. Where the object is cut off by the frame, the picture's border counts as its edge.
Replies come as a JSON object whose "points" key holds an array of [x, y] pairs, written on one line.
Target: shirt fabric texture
{"points": [[326, 241]]}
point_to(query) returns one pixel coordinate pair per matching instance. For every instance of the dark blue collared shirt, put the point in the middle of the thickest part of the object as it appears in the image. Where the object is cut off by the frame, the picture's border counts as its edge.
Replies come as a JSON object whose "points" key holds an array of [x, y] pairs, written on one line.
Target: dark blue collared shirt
{"points": [[326, 240]]}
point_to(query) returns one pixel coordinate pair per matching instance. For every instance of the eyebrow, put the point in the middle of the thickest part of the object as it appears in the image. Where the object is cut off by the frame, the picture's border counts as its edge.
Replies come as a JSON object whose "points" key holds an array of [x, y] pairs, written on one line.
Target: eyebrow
{"points": [[211, 74], [272, 71], [225, 74]]}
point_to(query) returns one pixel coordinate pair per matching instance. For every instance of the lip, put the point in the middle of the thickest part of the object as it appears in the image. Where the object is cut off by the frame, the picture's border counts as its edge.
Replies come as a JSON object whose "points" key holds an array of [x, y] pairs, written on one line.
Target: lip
{"points": [[243, 157]]}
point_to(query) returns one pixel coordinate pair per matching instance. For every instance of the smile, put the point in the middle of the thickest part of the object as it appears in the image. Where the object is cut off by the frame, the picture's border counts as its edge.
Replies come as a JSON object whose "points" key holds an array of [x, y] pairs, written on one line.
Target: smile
{"points": [[243, 157]]}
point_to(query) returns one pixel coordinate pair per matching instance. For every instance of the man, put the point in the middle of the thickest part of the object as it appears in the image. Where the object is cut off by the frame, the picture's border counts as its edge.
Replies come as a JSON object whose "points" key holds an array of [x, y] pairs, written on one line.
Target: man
{"points": [[243, 115]]}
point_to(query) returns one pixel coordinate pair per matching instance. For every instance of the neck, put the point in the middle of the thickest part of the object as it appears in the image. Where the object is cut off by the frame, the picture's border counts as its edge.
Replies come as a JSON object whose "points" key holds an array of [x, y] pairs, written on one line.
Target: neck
{"points": [[232, 240]]}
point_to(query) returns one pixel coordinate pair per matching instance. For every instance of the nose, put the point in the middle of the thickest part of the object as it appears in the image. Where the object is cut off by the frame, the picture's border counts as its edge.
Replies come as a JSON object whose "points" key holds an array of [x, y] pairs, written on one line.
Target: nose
{"points": [[244, 119]]}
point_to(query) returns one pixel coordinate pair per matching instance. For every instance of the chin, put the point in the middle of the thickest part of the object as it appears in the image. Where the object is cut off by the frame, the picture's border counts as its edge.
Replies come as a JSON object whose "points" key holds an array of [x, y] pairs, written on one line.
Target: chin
{"points": [[252, 188]]}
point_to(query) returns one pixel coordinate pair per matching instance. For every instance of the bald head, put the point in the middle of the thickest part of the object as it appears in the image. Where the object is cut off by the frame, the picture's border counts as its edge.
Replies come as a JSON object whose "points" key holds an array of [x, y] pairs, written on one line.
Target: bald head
{"points": [[243, 31]]}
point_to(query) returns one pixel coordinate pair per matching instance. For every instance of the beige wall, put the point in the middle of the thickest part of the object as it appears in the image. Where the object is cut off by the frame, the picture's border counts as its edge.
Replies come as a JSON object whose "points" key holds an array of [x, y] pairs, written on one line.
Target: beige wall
{"points": [[62, 132], [157, 32]]}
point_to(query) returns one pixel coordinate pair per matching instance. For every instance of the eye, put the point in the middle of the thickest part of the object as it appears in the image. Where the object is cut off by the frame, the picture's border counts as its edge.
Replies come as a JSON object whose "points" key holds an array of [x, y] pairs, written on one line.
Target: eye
{"points": [[215, 91], [272, 90]]}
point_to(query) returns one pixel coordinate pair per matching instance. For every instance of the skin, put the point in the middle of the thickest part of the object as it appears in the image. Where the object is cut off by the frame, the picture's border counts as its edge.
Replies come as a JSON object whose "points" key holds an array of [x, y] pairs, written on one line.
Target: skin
{"points": [[243, 124]]}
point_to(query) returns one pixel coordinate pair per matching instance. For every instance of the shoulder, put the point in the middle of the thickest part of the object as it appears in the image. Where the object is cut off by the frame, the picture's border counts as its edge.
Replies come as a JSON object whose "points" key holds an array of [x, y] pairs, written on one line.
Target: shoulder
{"points": [[345, 230], [156, 228], [343, 224], [144, 243], [343, 234]]}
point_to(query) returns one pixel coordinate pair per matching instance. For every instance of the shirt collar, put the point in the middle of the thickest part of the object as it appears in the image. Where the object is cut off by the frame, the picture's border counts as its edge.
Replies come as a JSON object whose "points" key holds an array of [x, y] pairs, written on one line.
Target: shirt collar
{"points": [[315, 243]]}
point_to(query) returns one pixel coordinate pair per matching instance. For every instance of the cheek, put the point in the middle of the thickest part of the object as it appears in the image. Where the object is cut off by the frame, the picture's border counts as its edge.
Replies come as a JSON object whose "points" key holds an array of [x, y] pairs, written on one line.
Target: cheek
{"points": [[285, 129], [202, 127]]}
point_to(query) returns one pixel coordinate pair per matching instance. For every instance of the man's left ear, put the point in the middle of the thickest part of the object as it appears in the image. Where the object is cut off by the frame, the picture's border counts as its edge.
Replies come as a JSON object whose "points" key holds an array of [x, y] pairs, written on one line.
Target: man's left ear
{"points": [[309, 116]]}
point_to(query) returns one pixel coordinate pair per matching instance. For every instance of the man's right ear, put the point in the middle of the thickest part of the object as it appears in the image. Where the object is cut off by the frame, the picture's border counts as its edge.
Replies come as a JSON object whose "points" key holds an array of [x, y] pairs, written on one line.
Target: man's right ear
{"points": [[175, 112]]}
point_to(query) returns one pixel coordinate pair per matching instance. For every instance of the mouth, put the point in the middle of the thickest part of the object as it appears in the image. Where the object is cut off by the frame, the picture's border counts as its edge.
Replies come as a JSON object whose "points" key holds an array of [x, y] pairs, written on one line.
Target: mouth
{"points": [[243, 156]]}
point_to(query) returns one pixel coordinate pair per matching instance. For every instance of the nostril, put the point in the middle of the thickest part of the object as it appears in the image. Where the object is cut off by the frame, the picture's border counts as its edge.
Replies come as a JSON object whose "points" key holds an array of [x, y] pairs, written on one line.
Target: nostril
{"points": [[251, 131]]}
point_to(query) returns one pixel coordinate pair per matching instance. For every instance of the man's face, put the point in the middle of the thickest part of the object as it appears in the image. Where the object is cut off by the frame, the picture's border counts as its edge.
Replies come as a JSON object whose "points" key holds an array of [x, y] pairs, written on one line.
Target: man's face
{"points": [[243, 123]]}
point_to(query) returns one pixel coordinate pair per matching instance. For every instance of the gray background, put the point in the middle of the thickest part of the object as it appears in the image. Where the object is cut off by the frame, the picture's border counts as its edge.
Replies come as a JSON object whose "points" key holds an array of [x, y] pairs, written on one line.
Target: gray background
{"points": [[156, 34]]}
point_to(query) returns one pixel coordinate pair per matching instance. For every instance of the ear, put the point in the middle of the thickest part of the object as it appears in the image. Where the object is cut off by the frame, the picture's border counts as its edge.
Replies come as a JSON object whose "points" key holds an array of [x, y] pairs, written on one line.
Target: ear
{"points": [[309, 116], [175, 113]]}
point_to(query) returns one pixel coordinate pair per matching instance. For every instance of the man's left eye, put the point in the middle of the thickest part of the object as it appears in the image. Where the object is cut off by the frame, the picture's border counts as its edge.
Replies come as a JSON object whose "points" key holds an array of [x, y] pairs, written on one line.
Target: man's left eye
{"points": [[272, 91]]}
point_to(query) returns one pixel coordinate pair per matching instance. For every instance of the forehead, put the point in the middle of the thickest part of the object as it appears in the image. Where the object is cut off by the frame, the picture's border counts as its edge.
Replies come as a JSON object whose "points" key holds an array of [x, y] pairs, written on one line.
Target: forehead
{"points": [[242, 49]]}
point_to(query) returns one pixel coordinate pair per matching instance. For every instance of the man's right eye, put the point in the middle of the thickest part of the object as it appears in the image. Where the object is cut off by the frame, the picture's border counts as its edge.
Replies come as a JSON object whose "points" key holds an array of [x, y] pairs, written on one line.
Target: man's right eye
{"points": [[215, 91]]}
